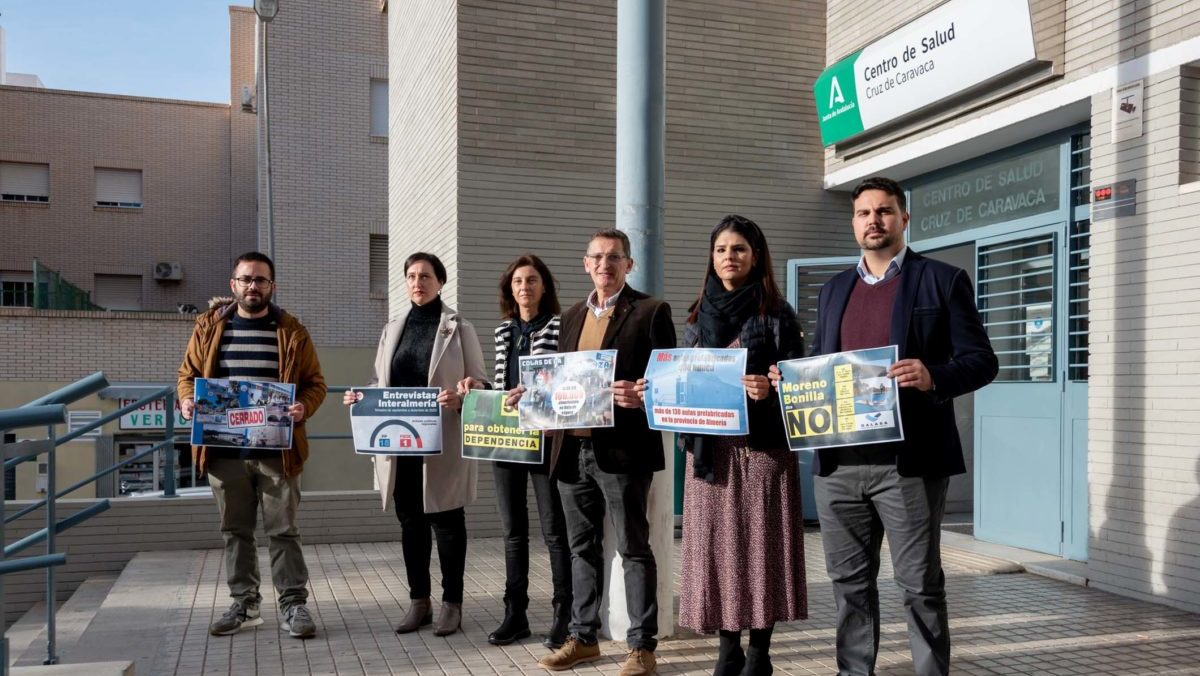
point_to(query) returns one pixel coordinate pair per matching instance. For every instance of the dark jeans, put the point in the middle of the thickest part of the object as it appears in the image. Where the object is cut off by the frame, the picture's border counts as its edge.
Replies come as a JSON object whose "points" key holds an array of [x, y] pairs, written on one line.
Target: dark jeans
{"points": [[511, 494], [585, 496], [240, 487], [858, 504], [449, 527]]}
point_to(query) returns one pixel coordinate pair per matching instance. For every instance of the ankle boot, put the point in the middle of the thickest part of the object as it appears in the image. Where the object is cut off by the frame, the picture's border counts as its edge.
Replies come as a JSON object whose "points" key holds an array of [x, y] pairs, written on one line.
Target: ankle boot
{"points": [[514, 627], [730, 658], [758, 655], [449, 619], [420, 613], [560, 630], [758, 663]]}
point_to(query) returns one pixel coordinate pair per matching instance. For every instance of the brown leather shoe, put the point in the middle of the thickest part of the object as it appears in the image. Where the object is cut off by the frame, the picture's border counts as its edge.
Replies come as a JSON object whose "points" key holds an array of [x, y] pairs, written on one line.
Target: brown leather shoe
{"points": [[640, 662], [571, 653], [420, 613], [449, 619]]}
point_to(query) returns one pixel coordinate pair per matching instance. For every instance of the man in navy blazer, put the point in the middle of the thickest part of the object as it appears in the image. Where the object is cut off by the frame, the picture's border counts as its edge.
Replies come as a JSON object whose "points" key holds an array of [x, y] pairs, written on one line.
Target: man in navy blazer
{"points": [[896, 296]]}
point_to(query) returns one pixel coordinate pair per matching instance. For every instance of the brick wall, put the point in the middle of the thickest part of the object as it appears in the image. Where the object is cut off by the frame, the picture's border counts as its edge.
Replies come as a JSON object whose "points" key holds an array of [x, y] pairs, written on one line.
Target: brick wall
{"points": [[1144, 459], [183, 151], [65, 346]]}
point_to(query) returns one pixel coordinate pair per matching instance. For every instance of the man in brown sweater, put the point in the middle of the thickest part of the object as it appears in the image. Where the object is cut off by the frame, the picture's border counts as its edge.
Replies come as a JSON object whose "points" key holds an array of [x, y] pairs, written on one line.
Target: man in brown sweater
{"points": [[611, 468]]}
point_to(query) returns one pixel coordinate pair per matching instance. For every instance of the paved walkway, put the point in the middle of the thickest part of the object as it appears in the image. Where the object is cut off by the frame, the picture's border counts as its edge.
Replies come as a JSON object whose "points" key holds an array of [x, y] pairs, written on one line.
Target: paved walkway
{"points": [[159, 609]]}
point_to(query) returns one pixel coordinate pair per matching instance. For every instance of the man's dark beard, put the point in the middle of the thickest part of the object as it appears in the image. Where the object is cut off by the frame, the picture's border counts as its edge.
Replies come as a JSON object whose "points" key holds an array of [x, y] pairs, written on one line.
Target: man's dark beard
{"points": [[252, 307], [875, 244]]}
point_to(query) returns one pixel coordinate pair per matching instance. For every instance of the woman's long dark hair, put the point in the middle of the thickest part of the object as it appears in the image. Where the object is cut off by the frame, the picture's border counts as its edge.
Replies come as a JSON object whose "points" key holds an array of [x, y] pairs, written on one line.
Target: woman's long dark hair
{"points": [[508, 303], [767, 291]]}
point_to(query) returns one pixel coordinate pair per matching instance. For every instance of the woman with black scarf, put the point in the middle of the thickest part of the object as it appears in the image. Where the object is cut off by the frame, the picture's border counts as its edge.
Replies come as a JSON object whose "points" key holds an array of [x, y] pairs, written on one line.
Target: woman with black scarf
{"points": [[743, 528], [529, 305]]}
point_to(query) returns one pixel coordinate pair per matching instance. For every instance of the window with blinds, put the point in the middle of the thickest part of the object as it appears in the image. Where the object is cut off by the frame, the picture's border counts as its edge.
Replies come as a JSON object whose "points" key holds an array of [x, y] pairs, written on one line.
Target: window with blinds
{"points": [[1016, 297], [810, 277], [22, 182], [1080, 259], [118, 292], [378, 265], [119, 188], [379, 107]]}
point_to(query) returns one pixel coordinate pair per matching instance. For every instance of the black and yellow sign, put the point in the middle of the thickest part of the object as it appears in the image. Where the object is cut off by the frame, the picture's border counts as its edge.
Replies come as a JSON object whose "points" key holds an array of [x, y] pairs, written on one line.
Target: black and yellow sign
{"points": [[490, 431], [842, 399]]}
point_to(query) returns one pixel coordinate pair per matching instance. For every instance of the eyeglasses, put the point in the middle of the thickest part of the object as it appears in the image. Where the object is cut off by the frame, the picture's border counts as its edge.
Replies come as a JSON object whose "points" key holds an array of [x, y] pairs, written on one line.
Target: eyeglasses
{"points": [[253, 281], [612, 258]]}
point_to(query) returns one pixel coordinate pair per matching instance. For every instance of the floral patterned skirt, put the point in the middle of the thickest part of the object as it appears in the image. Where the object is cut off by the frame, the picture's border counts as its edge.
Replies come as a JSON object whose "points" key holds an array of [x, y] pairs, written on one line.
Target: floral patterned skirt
{"points": [[743, 541]]}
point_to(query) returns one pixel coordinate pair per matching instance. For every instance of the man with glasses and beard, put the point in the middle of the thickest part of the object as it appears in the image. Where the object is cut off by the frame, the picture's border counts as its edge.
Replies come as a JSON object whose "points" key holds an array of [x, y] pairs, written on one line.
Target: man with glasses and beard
{"points": [[250, 338]]}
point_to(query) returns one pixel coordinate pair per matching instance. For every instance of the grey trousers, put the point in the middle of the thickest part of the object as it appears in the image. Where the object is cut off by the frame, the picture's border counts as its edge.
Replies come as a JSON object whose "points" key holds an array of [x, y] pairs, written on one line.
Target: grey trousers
{"points": [[240, 487], [586, 496], [858, 504]]}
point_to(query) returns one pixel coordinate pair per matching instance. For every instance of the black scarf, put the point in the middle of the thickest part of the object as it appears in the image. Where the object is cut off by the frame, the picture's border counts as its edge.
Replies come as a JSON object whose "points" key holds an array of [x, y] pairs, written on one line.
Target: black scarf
{"points": [[719, 321], [722, 313]]}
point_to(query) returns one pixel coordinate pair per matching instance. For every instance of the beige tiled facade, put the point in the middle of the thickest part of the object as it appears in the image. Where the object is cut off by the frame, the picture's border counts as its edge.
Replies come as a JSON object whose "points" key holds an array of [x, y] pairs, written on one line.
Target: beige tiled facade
{"points": [[1143, 448], [328, 172], [504, 122]]}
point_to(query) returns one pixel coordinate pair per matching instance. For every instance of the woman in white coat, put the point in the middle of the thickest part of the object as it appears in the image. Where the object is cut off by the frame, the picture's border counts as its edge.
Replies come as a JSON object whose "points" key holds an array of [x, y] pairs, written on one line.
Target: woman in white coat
{"points": [[429, 345]]}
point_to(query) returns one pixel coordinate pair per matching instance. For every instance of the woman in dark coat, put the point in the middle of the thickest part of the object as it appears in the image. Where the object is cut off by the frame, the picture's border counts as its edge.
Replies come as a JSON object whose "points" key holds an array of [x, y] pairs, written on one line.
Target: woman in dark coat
{"points": [[529, 305], [743, 528]]}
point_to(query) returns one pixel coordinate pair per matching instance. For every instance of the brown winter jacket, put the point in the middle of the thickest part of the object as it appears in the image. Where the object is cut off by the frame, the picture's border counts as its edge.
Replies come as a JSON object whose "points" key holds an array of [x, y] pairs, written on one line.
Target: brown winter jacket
{"points": [[297, 365]]}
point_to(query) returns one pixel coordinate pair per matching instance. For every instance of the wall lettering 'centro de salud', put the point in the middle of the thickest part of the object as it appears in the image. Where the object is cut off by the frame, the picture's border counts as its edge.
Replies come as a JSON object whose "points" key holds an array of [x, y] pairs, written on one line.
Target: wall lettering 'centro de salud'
{"points": [[1018, 187]]}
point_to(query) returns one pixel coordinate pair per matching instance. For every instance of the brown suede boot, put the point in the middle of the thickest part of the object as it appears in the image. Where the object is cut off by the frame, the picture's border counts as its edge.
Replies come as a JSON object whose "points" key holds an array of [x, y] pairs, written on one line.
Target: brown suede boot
{"points": [[640, 662], [449, 619], [571, 653], [420, 613]]}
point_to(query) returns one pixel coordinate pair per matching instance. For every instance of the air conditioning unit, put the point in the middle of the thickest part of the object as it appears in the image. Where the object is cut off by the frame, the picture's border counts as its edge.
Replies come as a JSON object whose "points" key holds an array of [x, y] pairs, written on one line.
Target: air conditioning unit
{"points": [[168, 271]]}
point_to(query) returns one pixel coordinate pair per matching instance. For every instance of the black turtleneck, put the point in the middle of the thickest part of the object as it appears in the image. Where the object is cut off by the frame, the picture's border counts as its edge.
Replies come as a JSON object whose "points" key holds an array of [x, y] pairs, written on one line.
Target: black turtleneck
{"points": [[410, 363]]}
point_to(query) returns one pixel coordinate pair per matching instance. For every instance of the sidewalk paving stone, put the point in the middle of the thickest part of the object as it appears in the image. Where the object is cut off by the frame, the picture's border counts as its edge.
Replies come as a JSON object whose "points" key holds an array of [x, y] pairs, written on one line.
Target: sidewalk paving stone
{"points": [[1000, 624]]}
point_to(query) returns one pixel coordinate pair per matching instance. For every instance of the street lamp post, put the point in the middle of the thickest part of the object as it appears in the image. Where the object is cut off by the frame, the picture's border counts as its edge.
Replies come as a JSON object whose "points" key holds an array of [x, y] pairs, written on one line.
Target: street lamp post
{"points": [[266, 11]]}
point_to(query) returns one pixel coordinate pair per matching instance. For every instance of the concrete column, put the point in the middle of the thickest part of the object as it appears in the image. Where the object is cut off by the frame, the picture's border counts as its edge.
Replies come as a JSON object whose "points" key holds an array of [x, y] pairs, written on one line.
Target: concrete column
{"points": [[641, 121]]}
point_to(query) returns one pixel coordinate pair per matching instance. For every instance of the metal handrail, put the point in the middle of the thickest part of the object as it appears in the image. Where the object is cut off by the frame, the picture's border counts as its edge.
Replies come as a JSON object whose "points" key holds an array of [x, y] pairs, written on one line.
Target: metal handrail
{"points": [[50, 410], [33, 416], [72, 393], [73, 520], [80, 484], [29, 563], [333, 389]]}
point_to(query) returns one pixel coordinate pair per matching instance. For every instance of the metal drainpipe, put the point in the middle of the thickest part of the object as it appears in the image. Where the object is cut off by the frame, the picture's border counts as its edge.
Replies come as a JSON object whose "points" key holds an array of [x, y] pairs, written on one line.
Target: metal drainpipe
{"points": [[641, 120]]}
